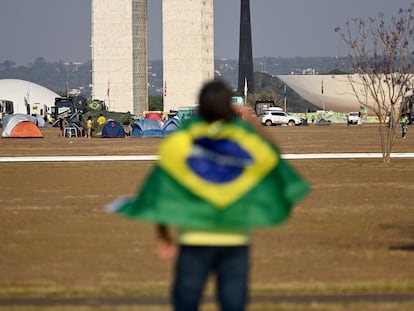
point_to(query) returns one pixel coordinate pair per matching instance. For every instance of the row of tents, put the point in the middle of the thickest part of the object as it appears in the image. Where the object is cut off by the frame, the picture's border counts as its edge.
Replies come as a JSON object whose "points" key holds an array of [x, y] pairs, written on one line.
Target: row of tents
{"points": [[26, 126], [141, 128]]}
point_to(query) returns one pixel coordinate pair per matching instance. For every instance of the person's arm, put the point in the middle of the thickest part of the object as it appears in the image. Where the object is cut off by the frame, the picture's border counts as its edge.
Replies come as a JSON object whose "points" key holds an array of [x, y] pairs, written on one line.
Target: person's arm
{"points": [[166, 248]]}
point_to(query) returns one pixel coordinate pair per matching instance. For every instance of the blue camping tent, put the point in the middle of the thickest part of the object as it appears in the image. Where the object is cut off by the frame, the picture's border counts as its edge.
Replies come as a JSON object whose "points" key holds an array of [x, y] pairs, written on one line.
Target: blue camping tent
{"points": [[170, 125], [147, 128], [113, 129]]}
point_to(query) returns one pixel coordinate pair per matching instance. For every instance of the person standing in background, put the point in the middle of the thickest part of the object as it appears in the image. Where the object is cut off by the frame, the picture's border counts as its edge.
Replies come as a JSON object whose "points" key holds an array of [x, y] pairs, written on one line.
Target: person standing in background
{"points": [[89, 124]]}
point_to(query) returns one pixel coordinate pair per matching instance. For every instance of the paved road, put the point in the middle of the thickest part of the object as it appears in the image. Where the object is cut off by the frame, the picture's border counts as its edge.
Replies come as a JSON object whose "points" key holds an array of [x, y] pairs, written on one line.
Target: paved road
{"points": [[153, 157], [127, 301]]}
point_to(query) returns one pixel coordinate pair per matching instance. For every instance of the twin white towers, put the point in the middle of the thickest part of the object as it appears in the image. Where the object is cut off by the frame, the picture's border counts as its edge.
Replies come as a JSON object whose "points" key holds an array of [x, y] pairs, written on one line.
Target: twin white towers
{"points": [[120, 58]]}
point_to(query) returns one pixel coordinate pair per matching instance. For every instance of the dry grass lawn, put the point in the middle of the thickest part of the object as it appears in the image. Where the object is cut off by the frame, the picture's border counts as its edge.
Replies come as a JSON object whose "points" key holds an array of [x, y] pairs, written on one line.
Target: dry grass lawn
{"points": [[353, 234]]}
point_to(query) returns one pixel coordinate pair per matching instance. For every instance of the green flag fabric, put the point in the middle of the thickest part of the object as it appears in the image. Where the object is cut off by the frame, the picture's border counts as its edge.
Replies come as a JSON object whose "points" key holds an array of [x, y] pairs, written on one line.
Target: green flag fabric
{"points": [[216, 176]]}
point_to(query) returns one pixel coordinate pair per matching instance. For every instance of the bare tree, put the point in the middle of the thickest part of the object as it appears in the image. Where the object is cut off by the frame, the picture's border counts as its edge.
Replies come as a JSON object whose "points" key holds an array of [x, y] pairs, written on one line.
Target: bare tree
{"points": [[381, 67]]}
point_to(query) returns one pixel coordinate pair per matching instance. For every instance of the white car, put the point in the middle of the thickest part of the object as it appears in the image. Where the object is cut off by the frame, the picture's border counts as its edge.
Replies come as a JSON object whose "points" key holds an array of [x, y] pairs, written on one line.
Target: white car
{"points": [[279, 118]]}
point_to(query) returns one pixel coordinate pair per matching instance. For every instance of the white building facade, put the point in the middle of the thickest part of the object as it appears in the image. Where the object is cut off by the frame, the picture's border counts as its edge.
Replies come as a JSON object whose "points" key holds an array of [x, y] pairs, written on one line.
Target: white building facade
{"points": [[188, 50], [119, 54]]}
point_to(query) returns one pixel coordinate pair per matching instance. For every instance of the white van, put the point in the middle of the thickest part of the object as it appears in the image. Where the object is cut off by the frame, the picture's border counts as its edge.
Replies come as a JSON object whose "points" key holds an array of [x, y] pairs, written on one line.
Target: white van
{"points": [[354, 118]]}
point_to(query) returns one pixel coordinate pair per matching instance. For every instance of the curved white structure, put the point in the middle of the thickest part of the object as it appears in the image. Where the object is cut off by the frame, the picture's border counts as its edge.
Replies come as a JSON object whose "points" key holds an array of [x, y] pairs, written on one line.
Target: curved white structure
{"points": [[329, 92], [16, 90]]}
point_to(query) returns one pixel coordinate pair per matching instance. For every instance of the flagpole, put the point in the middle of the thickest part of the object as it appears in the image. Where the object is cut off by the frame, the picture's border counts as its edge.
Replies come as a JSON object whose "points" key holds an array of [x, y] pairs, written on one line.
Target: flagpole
{"points": [[245, 92], [108, 92], [164, 94], [67, 83], [323, 100], [27, 98]]}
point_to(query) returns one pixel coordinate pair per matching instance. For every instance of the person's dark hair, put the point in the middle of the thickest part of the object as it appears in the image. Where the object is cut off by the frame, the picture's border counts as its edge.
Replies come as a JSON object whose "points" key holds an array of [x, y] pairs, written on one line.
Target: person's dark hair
{"points": [[214, 102]]}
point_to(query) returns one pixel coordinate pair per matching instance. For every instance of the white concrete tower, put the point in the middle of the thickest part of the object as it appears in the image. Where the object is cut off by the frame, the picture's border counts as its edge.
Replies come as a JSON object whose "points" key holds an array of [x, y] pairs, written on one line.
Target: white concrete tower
{"points": [[188, 50], [119, 54]]}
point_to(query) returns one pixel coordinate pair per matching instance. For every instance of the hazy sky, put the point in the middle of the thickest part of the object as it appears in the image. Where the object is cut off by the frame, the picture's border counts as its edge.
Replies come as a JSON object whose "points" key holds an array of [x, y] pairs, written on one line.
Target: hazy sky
{"points": [[61, 29]]}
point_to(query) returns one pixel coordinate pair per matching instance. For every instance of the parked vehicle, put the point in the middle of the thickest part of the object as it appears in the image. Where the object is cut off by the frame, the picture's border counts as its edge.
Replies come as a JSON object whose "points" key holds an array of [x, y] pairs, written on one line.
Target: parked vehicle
{"points": [[6, 108], [272, 117], [262, 105], [354, 118]]}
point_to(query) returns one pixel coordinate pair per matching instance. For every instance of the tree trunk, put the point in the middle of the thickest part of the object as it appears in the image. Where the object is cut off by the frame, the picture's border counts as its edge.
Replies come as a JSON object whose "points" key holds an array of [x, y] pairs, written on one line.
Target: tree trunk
{"points": [[387, 138]]}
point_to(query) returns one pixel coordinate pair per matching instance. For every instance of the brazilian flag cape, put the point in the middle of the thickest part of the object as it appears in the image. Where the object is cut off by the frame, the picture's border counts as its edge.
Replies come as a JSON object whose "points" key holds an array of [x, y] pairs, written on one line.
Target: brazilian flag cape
{"points": [[218, 175]]}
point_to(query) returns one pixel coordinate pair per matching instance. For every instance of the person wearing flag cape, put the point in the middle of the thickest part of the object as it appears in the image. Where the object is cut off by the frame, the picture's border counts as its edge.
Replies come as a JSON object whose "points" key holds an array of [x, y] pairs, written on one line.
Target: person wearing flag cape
{"points": [[217, 178]]}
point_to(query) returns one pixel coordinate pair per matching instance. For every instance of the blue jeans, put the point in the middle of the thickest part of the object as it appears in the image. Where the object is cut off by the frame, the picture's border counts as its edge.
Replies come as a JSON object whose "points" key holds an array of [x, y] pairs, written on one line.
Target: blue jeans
{"points": [[194, 264]]}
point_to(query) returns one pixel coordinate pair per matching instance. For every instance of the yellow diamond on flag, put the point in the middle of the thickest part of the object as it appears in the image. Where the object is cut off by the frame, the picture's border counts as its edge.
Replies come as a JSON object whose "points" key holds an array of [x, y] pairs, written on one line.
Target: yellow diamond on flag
{"points": [[219, 162]]}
